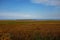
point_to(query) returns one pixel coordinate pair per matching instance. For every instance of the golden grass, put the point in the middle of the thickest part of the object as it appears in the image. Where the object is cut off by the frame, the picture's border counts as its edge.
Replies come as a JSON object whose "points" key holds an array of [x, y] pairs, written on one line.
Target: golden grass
{"points": [[31, 29]]}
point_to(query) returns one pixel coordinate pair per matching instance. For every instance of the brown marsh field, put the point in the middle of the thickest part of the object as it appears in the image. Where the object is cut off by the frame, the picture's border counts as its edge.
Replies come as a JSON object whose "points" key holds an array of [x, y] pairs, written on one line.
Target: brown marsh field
{"points": [[29, 30]]}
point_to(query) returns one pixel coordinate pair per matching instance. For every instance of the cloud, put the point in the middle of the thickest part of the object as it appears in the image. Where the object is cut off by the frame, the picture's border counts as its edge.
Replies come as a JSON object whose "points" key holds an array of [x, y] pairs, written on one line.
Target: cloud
{"points": [[17, 16], [47, 2]]}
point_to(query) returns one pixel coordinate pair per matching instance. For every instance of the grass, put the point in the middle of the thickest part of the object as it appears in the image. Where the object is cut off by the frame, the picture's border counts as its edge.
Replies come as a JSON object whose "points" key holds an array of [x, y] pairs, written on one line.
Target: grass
{"points": [[30, 30]]}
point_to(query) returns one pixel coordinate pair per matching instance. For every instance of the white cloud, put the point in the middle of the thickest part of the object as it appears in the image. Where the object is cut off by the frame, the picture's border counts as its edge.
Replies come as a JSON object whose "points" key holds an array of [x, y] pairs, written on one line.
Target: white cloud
{"points": [[18, 16], [29, 16], [47, 2]]}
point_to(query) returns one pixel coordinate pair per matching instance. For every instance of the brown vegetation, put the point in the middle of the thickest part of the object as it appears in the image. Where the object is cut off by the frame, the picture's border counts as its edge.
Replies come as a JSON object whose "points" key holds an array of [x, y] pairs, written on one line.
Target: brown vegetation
{"points": [[31, 30]]}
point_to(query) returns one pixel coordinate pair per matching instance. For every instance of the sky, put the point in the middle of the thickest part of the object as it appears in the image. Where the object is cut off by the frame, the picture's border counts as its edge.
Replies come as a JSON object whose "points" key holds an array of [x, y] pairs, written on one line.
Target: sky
{"points": [[29, 9]]}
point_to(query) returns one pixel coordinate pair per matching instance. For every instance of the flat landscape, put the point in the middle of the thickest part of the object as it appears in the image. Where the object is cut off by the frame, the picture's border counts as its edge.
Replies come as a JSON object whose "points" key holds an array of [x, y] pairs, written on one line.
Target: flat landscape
{"points": [[30, 29]]}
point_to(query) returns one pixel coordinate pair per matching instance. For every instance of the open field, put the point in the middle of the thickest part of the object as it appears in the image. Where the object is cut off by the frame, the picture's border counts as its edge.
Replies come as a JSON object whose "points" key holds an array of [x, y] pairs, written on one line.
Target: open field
{"points": [[29, 30]]}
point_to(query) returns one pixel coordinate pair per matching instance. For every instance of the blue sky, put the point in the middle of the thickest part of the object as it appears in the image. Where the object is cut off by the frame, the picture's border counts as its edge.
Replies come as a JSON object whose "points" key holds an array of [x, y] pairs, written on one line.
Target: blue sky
{"points": [[29, 9]]}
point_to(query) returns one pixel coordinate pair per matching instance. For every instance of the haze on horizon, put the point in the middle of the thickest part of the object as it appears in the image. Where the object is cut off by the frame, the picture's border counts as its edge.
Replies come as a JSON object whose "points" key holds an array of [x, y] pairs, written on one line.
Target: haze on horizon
{"points": [[29, 9]]}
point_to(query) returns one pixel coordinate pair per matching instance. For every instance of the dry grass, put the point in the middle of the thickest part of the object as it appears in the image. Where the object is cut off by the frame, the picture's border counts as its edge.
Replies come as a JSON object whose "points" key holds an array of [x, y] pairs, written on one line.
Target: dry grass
{"points": [[31, 29]]}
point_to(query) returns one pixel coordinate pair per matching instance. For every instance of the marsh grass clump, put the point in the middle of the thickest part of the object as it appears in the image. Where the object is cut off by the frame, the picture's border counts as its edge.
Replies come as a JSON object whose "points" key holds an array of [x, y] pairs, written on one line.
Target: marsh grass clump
{"points": [[34, 36], [28, 36]]}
